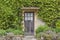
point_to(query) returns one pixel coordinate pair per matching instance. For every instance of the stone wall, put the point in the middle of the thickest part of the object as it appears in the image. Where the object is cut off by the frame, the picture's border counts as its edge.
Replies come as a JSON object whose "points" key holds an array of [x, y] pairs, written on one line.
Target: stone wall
{"points": [[10, 38], [38, 22]]}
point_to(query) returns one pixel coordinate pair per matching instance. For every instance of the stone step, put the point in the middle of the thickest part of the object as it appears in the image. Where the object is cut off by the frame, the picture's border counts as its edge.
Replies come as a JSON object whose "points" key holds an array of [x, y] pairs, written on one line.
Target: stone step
{"points": [[29, 38]]}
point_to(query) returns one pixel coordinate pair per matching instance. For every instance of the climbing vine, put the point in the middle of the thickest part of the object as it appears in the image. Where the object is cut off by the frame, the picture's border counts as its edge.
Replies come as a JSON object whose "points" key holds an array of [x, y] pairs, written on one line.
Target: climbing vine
{"points": [[10, 11], [9, 14]]}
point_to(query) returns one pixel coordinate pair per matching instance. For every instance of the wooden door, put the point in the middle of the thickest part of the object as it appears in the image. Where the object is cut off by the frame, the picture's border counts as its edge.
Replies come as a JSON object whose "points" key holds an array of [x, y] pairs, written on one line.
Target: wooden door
{"points": [[29, 23]]}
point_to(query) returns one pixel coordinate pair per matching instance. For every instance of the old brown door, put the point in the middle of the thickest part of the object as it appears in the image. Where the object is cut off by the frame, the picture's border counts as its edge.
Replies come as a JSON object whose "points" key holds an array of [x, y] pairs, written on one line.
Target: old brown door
{"points": [[29, 23]]}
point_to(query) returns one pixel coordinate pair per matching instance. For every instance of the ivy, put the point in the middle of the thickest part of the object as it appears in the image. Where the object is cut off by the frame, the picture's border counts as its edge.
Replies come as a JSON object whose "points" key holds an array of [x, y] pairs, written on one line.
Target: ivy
{"points": [[49, 9], [11, 16]]}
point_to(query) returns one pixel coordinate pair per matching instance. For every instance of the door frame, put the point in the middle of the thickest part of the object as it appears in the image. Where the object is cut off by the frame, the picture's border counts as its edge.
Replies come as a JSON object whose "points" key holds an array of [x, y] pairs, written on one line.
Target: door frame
{"points": [[33, 21]]}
